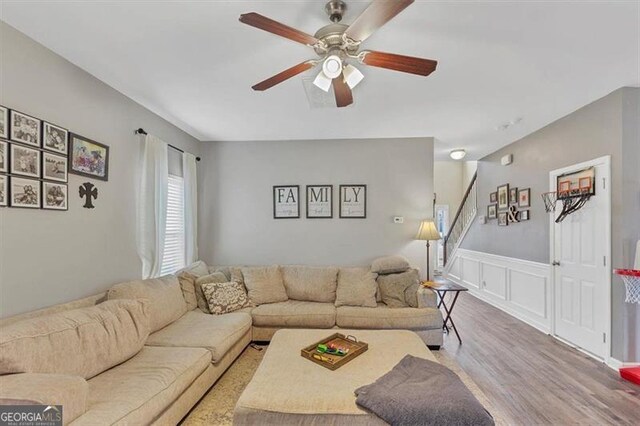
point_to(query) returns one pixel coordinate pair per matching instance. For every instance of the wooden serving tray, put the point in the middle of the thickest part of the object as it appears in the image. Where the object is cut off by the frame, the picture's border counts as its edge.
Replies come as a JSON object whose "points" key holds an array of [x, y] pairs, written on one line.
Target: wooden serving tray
{"points": [[333, 362]]}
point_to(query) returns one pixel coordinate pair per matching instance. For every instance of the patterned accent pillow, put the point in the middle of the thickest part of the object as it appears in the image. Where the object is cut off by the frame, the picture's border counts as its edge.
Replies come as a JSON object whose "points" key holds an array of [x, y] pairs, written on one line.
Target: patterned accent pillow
{"points": [[225, 297]]}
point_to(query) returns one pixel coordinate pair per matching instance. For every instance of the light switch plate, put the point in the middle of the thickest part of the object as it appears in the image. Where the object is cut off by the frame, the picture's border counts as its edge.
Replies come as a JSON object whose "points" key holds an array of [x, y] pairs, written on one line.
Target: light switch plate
{"points": [[398, 219]]}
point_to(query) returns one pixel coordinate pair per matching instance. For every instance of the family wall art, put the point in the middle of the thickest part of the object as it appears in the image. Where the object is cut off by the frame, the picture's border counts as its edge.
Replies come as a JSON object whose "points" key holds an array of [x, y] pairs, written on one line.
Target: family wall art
{"points": [[352, 201], [36, 157]]}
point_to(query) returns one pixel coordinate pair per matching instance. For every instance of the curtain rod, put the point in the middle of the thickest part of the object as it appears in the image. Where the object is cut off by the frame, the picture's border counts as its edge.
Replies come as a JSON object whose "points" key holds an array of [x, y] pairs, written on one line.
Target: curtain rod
{"points": [[141, 131]]}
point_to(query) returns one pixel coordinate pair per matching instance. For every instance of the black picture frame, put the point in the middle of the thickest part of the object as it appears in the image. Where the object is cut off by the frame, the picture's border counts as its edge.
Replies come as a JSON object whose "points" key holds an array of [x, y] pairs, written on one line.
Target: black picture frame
{"points": [[36, 184], [493, 197], [60, 158], [75, 168], [492, 211], [343, 200], [12, 130], [44, 194], [528, 198], [503, 197], [4, 123], [4, 165], [48, 147], [4, 190], [503, 219], [277, 198], [524, 215], [308, 208], [513, 195], [37, 173]]}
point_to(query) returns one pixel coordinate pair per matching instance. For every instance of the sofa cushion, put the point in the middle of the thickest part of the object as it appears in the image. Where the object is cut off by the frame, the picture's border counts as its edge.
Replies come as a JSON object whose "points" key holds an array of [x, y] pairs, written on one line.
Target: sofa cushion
{"points": [[295, 313], [356, 287], [400, 290], [224, 298], [389, 265], [215, 277], [386, 318], [188, 286], [264, 284], [139, 390], [216, 333], [82, 342], [310, 283], [198, 269], [46, 389], [166, 303]]}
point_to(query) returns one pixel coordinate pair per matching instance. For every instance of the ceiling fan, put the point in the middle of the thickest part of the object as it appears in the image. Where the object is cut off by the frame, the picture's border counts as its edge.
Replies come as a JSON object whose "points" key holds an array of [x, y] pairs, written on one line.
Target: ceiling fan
{"points": [[337, 43]]}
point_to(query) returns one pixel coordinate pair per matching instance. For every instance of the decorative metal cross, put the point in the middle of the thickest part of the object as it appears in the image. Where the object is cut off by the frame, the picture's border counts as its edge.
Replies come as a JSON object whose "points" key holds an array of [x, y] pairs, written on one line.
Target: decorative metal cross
{"points": [[89, 192]]}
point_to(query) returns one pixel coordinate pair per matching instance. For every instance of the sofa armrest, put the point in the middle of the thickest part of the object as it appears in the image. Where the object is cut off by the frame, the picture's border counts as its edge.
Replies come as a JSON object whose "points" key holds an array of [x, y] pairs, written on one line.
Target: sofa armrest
{"points": [[426, 298], [48, 389]]}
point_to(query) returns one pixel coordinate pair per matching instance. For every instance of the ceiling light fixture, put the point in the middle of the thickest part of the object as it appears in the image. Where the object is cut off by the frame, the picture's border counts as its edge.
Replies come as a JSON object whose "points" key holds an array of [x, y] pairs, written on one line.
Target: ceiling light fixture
{"points": [[458, 154], [352, 76], [331, 68]]}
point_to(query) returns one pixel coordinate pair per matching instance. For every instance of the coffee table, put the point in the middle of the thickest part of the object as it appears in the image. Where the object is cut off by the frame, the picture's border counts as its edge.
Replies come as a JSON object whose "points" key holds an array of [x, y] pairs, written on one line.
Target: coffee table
{"points": [[289, 389]]}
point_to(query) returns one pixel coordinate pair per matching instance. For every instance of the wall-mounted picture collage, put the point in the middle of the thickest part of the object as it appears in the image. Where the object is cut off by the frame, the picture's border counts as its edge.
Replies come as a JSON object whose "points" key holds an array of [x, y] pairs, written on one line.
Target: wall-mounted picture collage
{"points": [[352, 201], [35, 160], [509, 205]]}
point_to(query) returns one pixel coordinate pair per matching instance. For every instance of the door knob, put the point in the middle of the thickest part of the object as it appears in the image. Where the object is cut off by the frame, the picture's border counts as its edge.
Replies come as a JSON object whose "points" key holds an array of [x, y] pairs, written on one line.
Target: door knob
{"points": [[555, 263]]}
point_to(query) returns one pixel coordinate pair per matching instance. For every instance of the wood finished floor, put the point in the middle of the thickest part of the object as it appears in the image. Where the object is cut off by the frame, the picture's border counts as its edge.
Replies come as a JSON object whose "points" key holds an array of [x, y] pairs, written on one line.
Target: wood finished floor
{"points": [[533, 378]]}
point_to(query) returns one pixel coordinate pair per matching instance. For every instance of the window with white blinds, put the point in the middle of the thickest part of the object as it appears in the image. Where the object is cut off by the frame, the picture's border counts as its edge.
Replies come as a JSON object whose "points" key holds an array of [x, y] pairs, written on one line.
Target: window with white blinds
{"points": [[173, 258]]}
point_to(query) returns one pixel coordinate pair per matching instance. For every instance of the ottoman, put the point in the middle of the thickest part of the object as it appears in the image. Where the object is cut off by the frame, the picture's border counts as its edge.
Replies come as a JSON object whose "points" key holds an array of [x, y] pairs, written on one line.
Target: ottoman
{"points": [[289, 389]]}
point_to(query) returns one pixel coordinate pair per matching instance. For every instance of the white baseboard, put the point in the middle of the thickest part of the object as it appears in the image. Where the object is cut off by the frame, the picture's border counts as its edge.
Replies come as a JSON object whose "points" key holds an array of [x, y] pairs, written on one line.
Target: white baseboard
{"points": [[616, 365]]}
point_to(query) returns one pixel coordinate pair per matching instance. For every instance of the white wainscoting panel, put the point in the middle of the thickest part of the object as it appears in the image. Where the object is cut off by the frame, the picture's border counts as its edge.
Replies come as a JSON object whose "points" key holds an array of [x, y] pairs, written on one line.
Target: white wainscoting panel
{"points": [[518, 287]]}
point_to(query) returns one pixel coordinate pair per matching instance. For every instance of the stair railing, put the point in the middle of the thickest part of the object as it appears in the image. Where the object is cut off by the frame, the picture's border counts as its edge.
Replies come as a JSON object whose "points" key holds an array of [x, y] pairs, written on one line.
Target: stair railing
{"points": [[465, 214]]}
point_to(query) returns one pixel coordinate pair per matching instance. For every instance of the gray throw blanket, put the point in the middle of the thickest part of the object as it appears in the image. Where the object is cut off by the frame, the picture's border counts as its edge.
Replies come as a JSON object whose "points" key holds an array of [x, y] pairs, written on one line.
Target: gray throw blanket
{"points": [[422, 392]]}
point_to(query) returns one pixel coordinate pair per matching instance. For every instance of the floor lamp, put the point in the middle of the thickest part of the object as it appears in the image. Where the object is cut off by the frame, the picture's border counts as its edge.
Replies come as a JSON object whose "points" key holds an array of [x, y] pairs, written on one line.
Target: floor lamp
{"points": [[428, 232]]}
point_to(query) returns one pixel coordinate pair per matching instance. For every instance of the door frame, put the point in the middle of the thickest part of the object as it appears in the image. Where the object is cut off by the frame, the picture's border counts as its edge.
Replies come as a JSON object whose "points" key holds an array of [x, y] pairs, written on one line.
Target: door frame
{"points": [[601, 161]]}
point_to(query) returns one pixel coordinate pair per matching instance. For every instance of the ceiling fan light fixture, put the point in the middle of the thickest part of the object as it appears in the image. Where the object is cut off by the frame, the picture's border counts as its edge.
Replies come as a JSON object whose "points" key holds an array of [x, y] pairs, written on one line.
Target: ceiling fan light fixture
{"points": [[458, 154], [322, 81], [332, 66], [352, 76]]}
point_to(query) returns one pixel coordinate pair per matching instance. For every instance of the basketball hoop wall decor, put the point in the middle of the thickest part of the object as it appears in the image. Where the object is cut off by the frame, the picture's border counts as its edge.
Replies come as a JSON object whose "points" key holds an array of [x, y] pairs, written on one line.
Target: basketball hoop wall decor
{"points": [[573, 189]]}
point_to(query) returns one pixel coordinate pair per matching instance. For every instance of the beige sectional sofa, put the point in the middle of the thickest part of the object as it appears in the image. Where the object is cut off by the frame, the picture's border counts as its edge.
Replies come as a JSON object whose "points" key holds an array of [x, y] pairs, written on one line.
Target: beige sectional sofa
{"points": [[139, 354], [133, 355], [307, 307]]}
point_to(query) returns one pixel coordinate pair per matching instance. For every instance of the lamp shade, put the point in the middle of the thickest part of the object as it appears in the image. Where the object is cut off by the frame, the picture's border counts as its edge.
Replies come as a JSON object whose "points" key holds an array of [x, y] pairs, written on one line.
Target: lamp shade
{"points": [[428, 231]]}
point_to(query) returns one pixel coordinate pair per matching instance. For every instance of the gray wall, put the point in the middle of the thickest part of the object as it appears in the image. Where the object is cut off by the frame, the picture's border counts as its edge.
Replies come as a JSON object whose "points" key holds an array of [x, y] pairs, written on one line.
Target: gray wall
{"points": [[236, 218], [48, 257], [608, 126]]}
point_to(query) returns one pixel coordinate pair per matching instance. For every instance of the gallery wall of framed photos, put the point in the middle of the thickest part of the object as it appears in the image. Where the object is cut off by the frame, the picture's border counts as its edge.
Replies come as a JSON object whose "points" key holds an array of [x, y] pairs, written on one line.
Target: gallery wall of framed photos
{"points": [[319, 201], [36, 157], [509, 205]]}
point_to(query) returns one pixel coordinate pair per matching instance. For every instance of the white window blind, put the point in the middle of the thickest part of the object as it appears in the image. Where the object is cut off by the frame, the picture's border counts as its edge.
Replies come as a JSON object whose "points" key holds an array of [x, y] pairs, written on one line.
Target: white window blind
{"points": [[174, 251]]}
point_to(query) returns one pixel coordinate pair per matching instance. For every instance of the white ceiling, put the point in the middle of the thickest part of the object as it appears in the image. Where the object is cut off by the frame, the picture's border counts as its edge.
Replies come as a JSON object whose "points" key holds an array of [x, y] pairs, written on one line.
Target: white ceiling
{"points": [[193, 63]]}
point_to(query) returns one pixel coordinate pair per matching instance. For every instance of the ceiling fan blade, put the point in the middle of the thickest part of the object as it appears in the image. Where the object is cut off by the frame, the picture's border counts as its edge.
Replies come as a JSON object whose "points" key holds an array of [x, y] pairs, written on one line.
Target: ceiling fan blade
{"points": [[401, 63], [275, 27], [284, 75], [343, 93], [378, 13]]}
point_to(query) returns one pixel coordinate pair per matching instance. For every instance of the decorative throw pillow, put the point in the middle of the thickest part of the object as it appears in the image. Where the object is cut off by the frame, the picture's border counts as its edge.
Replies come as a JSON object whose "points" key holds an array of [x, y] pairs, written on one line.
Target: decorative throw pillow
{"points": [[400, 290], [356, 287], [390, 265], [225, 297], [264, 284], [216, 277], [236, 274], [188, 286]]}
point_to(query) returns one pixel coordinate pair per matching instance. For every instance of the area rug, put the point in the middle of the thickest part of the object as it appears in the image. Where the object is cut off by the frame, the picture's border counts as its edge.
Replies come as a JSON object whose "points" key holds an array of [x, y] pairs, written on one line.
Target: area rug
{"points": [[216, 407]]}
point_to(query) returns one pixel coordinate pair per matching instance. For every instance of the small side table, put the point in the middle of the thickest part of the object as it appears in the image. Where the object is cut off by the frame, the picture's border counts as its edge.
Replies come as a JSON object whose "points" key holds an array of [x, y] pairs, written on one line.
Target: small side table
{"points": [[441, 286]]}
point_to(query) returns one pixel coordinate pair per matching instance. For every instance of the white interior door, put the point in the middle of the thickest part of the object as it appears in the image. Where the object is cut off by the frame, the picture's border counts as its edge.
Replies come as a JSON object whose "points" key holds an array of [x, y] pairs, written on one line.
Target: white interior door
{"points": [[580, 254]]}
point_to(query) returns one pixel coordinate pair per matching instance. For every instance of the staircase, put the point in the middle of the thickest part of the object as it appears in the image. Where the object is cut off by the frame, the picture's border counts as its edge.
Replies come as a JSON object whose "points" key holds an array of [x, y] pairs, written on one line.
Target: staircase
{"points": [[464, 217]]}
